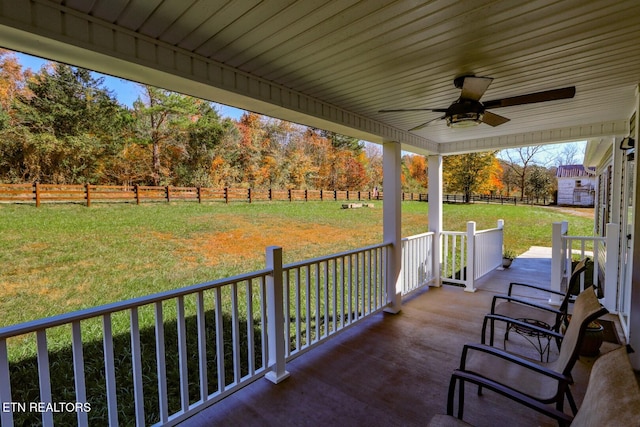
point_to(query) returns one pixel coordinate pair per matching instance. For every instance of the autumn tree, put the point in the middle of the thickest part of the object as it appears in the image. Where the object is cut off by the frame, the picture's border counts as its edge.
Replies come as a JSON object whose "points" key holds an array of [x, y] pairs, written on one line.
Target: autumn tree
{"points": [[162, 119], [65, 124], [465, 173], [414, 173]]}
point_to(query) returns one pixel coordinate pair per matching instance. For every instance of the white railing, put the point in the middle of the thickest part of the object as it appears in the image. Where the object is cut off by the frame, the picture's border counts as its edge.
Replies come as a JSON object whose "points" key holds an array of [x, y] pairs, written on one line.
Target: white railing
{"points": [[325, 295], [174, 353], [483, 247], [191, 346], [603, 252], [417, 262], [488, 250], [454, 257]]}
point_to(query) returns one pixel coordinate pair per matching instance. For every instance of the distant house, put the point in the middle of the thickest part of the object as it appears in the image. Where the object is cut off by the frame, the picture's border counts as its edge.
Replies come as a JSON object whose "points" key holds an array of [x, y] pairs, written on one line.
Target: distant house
{"points": [[576, 186]]}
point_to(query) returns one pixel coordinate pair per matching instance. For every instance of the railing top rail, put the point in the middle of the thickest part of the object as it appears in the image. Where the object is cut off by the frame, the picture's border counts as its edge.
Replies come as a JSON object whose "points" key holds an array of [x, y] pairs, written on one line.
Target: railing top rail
{"points": [[66, 318], [594, 238], [455, 233], [488, 230], [418, 236], [308, 262]]}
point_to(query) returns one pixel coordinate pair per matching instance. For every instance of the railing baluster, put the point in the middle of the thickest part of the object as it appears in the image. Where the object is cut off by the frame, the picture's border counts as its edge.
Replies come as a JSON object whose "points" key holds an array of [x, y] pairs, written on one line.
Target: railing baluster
{"points": [[109, 370], [235, 333], [182, 353], [78, 370], [286, 309], [220, 341], [136, 364], [202, 346], [334, 285], [5, 384], [350, 290], [44, 376], [298, 313], [263, 316], [161, 366], [325, 298], [308, 305], [317, 308], [251, 365]]}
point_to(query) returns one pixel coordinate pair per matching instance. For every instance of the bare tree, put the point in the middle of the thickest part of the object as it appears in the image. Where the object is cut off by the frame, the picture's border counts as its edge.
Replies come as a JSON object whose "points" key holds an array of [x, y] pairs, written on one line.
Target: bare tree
{"points": [[519, 161], [568, 154]]}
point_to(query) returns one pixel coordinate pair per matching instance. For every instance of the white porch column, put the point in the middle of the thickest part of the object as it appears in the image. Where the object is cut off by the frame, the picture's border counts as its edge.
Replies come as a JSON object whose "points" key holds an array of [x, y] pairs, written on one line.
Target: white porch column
{"points": [[611, 280], [392, 230], [435, 213], [634, 312]]}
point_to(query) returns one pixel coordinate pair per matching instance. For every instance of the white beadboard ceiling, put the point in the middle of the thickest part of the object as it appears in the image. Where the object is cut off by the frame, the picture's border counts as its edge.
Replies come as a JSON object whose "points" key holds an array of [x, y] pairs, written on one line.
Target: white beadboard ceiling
{"points": [[363, 56]]}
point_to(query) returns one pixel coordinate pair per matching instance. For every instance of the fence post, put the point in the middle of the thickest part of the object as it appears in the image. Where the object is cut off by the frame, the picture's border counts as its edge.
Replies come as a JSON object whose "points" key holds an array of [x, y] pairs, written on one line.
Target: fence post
{"points": [[137, 191], [275, 317], [306, 195], [36, 190], [270, 195], [249, 194], [199, 192], [88, 196], [558, 256], [471, 258], [226, 195], [168, 191], [289, 195], [335, 195]]}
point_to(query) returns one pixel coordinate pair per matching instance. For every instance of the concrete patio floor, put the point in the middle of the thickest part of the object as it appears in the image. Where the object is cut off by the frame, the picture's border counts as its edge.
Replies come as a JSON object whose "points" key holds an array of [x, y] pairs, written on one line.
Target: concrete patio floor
{"points": [[394, 370]]}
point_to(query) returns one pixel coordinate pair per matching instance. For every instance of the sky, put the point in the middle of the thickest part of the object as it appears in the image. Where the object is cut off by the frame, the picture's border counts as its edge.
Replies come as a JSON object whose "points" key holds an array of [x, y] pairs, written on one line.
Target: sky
{"points": [[124, 90]]}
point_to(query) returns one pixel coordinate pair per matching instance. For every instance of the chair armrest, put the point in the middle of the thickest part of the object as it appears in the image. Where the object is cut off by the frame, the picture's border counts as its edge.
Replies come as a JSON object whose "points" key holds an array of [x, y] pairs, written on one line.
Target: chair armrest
{"points": [[510, 321], [464, 376], [496, 352], [540, 288], [521, 301]]}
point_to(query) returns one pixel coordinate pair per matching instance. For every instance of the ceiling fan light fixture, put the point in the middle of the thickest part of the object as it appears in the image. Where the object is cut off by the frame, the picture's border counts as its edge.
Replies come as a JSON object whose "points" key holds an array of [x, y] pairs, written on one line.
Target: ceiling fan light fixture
{"points": [[464, 120]]}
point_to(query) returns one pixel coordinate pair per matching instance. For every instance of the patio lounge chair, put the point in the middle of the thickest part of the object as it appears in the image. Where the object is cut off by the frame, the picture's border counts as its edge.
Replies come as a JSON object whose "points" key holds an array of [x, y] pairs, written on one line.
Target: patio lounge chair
{"points": [[612, 397], [544, 382], [532, 313]]}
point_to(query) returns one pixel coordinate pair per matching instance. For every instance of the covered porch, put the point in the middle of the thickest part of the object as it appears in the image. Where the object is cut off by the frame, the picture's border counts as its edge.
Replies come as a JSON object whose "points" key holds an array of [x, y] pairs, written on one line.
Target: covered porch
{"points": [[394, 369]]}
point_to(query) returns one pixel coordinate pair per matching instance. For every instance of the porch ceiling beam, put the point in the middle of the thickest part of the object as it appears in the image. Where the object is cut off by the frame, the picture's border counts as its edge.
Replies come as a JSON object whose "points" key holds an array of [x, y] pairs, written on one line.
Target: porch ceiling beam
{"points": [[53, 31], [553, 136]]}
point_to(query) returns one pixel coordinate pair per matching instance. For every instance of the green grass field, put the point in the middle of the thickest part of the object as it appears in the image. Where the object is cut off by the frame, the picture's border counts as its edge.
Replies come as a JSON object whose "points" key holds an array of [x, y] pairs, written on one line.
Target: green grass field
{"points": [[60, 258]]}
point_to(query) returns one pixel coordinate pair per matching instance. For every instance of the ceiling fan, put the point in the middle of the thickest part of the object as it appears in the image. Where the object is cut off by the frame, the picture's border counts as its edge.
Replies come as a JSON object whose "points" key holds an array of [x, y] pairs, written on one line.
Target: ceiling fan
{"points": [[468, 111]]}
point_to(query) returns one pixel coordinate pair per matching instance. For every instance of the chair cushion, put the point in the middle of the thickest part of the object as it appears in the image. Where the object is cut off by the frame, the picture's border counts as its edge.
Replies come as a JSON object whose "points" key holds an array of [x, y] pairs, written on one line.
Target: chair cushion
{"points": [[613, 396]]}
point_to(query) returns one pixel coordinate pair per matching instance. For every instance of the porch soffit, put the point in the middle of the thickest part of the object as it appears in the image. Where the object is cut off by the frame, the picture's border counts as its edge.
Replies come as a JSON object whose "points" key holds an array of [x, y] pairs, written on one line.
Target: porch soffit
{"points": [[334, 64]]}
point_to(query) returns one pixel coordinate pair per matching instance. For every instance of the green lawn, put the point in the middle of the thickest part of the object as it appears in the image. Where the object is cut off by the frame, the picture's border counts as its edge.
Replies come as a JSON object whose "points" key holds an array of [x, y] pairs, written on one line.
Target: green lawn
{"points": [[59, 258]]}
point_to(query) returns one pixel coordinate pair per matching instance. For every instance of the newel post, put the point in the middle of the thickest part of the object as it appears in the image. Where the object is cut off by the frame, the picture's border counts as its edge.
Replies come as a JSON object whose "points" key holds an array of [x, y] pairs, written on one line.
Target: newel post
{"points": [[470, 273], [557, 258], [275, 317]]}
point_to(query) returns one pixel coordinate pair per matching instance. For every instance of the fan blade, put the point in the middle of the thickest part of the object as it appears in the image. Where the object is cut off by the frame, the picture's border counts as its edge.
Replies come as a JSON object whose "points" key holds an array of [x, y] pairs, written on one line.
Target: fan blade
{"points": [[474, 87], [493, 119], [548, 95], [425, 124], [398, 110]]}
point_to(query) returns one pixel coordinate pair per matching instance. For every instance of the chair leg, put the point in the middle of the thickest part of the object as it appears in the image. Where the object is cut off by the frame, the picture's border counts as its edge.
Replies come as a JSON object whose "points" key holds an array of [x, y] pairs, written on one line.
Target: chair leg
{"points": [[572, 402]]}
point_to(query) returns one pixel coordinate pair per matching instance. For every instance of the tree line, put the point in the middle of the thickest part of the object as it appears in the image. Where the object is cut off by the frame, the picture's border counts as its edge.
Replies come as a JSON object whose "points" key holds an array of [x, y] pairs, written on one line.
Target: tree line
{"points": [[61, 125]]}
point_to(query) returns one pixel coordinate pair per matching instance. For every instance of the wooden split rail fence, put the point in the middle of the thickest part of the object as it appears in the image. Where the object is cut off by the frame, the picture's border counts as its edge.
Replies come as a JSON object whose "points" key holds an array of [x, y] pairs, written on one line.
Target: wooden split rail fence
{"points": [[43, 193]]}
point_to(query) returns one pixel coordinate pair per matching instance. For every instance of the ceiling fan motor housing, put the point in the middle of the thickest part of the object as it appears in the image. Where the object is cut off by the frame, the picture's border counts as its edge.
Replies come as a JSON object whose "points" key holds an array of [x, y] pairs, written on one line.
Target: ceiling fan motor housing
{"points": [[464, 113]]}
